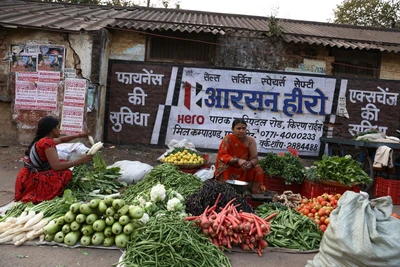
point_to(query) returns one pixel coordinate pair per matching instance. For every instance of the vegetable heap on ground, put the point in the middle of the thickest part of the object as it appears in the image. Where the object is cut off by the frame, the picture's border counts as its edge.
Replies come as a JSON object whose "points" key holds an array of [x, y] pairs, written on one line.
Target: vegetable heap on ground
{"points": [[167, 174], [87, 178], [206, 196], [170, 241], [100, 222], [289, 229], [230, 227], [319, 209], [23, 222]]}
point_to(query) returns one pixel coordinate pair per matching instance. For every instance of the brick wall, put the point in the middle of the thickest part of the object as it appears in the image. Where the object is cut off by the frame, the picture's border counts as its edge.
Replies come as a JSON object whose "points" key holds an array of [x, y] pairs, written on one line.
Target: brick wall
{"points": [[249, 50], [390, 66], [8, 129]]}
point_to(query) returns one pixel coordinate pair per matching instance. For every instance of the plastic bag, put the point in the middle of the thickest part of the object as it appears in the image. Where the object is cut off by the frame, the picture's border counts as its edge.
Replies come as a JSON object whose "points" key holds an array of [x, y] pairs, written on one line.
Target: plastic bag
{"points": [[176, 143], [71, 151], [205, 174], [131, 171], [361, 233]]}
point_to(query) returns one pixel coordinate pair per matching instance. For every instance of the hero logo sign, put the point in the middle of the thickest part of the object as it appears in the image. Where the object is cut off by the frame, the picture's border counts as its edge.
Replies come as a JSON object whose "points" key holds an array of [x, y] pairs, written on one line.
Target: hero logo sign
{"points": [[188, 95]]}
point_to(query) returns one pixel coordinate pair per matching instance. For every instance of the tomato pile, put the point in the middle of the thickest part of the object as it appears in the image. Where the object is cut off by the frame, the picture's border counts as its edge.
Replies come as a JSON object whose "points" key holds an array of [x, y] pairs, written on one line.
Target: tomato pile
{"points": [[319, 208]]}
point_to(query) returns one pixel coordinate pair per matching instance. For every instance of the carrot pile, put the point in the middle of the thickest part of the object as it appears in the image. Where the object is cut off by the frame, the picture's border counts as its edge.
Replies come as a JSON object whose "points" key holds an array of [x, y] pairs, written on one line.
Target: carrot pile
{"points": [[232, 227]]}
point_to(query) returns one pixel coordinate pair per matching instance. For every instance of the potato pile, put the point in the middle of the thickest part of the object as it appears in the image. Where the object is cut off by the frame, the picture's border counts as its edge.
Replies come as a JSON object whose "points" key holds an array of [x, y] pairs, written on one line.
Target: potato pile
{"points": [[180, 156]]}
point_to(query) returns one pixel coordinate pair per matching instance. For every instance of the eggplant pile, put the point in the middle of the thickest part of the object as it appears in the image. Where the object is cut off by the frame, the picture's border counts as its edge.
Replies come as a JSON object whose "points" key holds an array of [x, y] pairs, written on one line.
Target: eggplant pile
{"points": [[101, 222]]}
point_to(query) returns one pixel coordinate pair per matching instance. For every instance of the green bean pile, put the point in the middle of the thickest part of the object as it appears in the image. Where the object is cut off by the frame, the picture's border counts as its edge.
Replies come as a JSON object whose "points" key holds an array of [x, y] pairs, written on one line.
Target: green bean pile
{"points": [[167, 174], [290, 229], [170, 241]]}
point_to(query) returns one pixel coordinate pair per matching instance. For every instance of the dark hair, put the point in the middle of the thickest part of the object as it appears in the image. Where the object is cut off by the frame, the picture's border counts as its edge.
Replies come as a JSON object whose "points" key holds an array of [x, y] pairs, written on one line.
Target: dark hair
{"points": [[237, 121], [45, 126]]}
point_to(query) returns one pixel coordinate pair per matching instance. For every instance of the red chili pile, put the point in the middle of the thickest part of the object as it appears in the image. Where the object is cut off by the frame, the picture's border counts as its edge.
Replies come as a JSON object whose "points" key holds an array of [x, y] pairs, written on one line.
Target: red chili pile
{"points": [[232, 227]]}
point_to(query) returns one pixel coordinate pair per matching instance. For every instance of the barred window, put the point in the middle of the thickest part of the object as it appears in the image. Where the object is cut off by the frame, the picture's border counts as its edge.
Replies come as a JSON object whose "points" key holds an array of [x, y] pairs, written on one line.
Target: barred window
{"points": [[178, 47], [356, 63]]}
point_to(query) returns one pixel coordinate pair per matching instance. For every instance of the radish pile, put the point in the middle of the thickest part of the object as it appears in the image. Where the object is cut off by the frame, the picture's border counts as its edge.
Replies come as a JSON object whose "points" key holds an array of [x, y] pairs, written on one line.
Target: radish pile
{"points": [[28, 226], [232, 227]]}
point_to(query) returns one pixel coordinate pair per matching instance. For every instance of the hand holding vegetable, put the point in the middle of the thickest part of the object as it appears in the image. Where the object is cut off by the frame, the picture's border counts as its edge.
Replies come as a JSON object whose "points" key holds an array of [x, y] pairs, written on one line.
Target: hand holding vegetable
{"points": [[84, 159]]}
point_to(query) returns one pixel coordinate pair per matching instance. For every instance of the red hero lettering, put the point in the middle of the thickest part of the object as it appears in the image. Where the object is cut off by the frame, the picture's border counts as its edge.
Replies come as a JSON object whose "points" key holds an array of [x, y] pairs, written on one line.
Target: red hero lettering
{"points": [[191, 119]]}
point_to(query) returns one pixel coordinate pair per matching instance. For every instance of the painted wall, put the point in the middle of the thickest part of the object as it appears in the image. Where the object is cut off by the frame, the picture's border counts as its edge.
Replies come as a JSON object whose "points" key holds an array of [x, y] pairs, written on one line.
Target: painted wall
{"points": [[155, 104]]}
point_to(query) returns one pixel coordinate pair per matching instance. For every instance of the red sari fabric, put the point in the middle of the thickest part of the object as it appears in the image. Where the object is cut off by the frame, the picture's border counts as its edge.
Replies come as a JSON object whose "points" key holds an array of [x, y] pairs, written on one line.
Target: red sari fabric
{"points": [[35, 187], [231, 147]]}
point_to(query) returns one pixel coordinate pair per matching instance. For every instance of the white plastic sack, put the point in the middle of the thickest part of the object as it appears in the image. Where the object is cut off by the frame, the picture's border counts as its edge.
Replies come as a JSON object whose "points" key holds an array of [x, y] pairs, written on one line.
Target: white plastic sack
{"points": [[176, 144], [71, 151], [205, 174], [132, 171], [361, 233]]}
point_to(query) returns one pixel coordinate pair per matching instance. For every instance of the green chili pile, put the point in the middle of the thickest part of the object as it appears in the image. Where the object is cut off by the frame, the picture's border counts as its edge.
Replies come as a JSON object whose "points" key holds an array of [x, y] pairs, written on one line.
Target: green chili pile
{"points": [[289, 229], [170, 241], [167, 174]]}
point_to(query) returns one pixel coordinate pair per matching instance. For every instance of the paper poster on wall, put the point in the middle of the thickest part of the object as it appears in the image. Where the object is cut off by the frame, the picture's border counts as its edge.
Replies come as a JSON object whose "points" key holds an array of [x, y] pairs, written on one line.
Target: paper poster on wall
{"points": [[51, 58], [281, 110], [47, 96], [32, 93], [25, 95], [74, 106], [24, 63]]}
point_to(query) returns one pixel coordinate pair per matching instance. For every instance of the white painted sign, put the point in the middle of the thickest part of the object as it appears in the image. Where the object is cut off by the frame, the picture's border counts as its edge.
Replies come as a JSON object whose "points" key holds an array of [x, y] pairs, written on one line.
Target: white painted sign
{"points": [[281, 110]]}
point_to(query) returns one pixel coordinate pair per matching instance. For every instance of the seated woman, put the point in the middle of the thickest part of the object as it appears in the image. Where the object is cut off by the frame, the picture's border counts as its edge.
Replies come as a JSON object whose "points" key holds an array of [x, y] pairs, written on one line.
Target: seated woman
{"points": [[238, 158], [44, 176]]}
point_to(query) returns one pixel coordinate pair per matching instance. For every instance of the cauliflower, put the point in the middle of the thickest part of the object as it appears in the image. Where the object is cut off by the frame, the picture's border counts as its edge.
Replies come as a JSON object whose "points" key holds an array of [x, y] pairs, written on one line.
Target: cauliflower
{"points": [[174, 204], [157, 193], [145, 218], [173, 193], [142, 201]]}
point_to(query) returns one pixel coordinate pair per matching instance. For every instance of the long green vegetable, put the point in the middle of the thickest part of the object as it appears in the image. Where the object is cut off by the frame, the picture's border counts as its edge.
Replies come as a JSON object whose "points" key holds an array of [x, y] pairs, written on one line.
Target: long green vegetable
{"points": [[167, 174], [289, 229], [170, 241]]}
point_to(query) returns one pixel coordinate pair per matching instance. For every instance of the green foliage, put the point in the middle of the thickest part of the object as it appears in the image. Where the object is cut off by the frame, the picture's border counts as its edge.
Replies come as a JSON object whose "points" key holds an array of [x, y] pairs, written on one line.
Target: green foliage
{"points": [[377, 13], [345, 170], [287, 166], [311, 174]]}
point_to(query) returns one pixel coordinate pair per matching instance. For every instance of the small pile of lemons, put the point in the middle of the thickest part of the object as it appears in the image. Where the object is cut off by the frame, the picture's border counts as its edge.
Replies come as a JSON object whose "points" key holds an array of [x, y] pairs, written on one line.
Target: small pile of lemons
{"points": [[184, 157]]}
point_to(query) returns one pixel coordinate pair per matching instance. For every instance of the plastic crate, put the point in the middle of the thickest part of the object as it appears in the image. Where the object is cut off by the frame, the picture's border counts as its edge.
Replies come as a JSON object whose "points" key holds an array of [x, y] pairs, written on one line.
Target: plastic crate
{"points": [[278, 185], [311, 190], [385, 187], [254, 202]]}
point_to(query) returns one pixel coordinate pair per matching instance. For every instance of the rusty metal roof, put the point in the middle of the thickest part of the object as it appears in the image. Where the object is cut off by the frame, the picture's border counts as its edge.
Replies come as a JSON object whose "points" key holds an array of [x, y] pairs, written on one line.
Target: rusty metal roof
{"points": [[86, 18]]}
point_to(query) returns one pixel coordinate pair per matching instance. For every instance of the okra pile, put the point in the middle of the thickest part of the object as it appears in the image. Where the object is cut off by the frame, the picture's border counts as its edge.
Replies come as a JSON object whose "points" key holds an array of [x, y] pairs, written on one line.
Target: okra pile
{"points": [[289, 229]]}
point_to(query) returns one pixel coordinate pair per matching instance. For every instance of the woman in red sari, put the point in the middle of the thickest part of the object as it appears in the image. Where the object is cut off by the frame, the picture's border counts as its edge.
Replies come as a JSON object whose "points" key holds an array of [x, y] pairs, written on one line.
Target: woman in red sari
{"points": [[44, 176], [238, 158]]}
